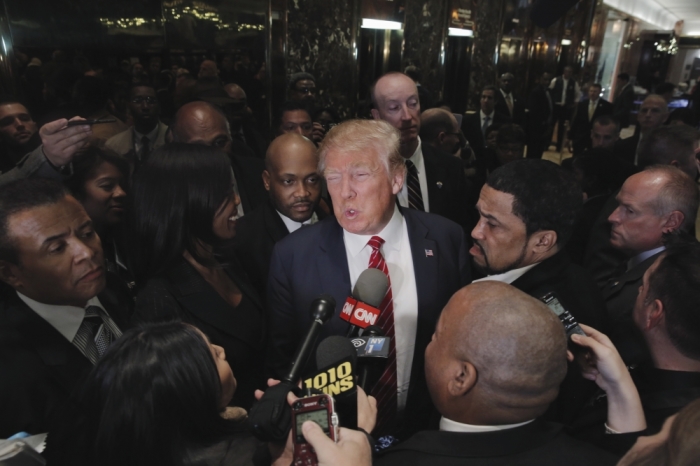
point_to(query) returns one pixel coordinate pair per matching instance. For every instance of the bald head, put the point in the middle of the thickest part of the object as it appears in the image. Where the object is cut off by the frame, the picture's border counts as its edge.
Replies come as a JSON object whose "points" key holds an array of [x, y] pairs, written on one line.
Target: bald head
{"points": [[439, 128], [235, 91], [497, 356], [201, 123], [395, 99], [652, 113], [291, 176]]}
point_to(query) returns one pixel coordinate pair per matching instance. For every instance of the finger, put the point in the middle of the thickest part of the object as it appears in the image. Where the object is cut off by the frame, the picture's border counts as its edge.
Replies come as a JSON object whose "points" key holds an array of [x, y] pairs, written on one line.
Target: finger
{"points": [[53, 127], [372, 402], [569, 356], [595, 334], [272, 382], [71, 143], [291, 398], [314, 435], [259, 394], [588, 342]]}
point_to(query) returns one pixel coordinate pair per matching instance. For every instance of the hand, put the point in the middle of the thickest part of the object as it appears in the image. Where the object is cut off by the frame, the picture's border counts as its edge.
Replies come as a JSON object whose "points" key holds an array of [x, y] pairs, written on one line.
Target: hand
{"points": [[282, 454], [317, 133], [61, 143], [366, 410], [352, 448]]}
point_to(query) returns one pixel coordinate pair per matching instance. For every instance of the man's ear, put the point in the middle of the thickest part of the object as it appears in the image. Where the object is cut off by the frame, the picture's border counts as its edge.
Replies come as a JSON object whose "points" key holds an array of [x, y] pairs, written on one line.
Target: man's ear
{"points": [[463, 379], [673, 222], [9, 275], [375, 114], [266, 179], [544, 241], [655, 315], [441, 137]]}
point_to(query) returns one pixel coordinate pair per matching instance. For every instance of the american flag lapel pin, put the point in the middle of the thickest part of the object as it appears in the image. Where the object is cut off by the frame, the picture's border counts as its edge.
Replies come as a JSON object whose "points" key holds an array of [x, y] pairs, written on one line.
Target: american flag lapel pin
{"points": [[439, 184], [429, 253]]}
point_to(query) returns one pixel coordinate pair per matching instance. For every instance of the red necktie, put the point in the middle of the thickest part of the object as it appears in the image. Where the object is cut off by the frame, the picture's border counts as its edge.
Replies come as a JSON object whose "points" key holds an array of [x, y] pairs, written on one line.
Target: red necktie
{"points": [[385, 390]]}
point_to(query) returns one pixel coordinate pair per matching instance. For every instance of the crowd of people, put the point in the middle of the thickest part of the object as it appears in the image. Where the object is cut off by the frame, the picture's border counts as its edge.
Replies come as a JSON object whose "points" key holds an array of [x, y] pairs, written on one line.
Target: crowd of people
{"points": [[157, 270]]}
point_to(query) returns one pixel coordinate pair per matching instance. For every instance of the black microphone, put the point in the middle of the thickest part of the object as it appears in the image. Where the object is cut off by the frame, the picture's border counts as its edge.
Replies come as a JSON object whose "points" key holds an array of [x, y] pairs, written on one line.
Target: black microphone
{"points": [[322, 308], [271, 417], [372, 355], [361, 310], [336, 360]]}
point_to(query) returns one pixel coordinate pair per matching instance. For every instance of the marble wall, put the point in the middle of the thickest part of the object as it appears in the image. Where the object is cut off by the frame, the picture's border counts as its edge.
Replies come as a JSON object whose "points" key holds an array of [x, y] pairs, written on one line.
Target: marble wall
{"points": [[487, 33]]}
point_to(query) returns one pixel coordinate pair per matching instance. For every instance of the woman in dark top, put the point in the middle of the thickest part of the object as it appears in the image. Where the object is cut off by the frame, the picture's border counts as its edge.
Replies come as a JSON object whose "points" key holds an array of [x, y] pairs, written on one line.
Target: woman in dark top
{"points": [[99, 183], [156, 397], [184, 212]]}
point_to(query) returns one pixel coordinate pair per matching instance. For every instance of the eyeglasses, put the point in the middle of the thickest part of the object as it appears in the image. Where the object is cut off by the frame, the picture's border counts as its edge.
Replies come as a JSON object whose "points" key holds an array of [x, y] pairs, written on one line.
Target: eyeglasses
{"points": [[139, 99], [306, 90]]}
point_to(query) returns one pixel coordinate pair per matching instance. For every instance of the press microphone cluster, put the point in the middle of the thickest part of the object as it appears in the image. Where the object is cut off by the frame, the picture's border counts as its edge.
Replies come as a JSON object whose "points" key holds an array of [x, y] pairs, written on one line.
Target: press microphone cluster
{"points": [[362, 308]]}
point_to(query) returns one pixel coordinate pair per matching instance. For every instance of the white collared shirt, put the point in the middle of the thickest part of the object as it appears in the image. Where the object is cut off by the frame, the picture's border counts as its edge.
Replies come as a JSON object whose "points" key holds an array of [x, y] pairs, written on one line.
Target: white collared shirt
{"points": [[448, 425], [642, 256], [509, 276], [417, 159], [397, 255], [65, 319], [293, 226], [591, 108], [152, 137], [482, 116]]}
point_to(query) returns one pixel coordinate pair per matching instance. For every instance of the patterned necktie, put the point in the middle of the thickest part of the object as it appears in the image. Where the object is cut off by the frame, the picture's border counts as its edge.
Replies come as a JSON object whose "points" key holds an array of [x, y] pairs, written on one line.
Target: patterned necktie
{"points": [[95, 334], [485, 126], [415, 197], [385, 390]]}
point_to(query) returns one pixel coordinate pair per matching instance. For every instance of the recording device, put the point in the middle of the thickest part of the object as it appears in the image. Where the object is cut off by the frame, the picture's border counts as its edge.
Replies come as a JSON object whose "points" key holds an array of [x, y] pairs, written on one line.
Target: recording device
{"points": [[336, 361], [570, 324], [361, 309], [319, 409], [372, 355], [90, 121], [269, 418]]}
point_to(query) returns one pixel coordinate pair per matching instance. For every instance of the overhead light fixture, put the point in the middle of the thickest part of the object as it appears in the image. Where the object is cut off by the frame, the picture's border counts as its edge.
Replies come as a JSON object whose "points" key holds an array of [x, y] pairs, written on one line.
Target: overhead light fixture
{"points": [[379, 24], [461, 32], [566, 42]]}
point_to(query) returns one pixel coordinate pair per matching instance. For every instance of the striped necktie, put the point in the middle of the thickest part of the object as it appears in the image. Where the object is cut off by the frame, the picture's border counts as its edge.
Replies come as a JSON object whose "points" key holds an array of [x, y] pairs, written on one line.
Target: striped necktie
{"points": [[385, 390], [415, 196], [96, 333]]}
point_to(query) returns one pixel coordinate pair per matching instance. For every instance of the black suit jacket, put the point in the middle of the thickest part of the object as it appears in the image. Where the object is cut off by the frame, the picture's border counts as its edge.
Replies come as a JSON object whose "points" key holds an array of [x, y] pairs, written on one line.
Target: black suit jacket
{"points": [[538, 443], [581, 126], [579, 295], [313, 261], [626, 149], [620, 294], [447, 186], [471, 127], [248, 172], [39, 368], [518, 116], [540, 113], [183, 294], [624, 103], [601, 258]]}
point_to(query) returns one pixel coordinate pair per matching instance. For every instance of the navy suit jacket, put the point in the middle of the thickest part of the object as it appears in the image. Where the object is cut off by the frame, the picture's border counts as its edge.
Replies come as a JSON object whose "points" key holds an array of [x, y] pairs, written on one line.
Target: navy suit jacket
{"points": [[313, 261]]}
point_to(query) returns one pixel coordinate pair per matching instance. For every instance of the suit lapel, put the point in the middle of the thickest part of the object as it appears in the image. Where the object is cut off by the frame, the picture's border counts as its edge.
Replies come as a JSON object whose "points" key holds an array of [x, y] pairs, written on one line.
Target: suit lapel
{"points": [[434, 176], [332, 264], [274, 225], [426, 261], [66, 363], [635, 273], [241, 180]]}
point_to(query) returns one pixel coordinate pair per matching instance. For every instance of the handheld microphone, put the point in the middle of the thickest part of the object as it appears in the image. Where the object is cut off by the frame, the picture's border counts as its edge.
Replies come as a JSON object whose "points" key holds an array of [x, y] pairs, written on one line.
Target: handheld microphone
{"points": [[360, 310], [336, 360], [271, 417], [372, 355]]}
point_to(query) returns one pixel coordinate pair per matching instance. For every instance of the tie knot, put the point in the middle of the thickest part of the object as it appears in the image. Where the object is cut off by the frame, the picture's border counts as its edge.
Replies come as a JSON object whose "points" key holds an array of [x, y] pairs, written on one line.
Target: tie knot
{"points": [[375, 242], [92, 312], [410, 166], [145, 140]]}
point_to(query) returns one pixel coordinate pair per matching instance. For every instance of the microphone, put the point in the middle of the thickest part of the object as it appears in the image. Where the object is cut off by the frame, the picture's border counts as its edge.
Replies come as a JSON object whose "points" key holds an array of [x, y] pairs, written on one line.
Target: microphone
{"points": [[372, 354], [271, 417], [360, 310], [336, 360]]}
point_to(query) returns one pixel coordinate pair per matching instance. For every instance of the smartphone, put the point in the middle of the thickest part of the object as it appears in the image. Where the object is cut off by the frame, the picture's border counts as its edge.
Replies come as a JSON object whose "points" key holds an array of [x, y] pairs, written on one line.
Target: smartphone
{"points": [[319, 409], [570, 324], [90, 121]]}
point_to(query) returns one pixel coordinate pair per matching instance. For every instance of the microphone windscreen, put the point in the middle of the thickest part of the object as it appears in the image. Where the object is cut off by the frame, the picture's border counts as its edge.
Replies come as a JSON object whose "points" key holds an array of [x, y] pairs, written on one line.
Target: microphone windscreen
{"points": [[333, 349], [371, 287]]}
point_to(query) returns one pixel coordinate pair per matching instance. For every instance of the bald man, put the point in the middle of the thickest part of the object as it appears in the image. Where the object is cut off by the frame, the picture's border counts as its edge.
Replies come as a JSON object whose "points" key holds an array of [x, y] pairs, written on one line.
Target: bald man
{"points": [[494, 365], [440, 129], [208, 69], [205, 123], [241, 118], [294, 189], [652, 114]]}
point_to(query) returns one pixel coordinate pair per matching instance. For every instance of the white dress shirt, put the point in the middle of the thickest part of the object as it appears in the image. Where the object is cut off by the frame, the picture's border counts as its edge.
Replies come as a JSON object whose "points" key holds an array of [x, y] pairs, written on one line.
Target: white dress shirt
{"points": [[65, 319], [591, 108], [642, 256], [561, 100], [152, 136], [417, 159], [293, 226], [448, 425], [397, 255], [507, 277]]}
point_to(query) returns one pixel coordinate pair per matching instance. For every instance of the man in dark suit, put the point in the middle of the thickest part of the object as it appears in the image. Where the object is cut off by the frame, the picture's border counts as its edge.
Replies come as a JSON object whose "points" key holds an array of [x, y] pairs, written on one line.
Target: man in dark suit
{"points": [[586, 112], [656, 202], [474, 125], [506, 102], [294, 188], [435, 180], [424, 256], [61, 315], [204, 123], [540, 118], [477, 383], [527, 210], [652, 114], [624, 99]]}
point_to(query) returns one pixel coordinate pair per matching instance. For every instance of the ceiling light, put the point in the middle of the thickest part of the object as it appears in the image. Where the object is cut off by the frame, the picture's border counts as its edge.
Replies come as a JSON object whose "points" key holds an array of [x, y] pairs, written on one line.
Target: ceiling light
{"points": [[379, 24], [461, 32]]}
